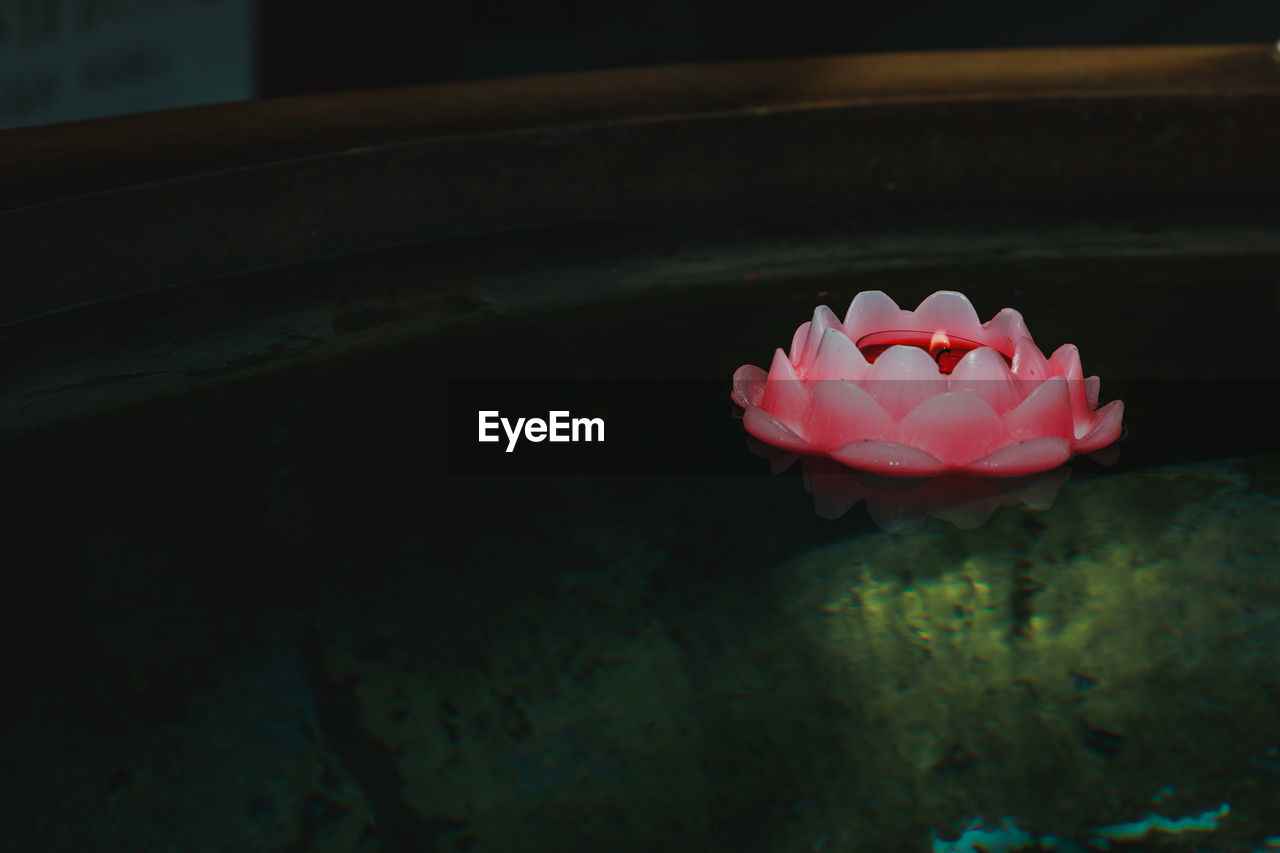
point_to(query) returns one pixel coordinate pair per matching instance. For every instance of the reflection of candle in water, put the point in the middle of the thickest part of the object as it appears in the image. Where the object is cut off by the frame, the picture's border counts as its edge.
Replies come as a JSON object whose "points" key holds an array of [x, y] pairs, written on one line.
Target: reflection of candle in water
{"points": [[946, 350]]}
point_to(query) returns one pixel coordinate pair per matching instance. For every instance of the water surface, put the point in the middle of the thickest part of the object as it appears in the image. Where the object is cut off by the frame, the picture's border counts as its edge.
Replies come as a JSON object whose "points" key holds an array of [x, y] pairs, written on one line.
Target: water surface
{"points": [[297, 612]]}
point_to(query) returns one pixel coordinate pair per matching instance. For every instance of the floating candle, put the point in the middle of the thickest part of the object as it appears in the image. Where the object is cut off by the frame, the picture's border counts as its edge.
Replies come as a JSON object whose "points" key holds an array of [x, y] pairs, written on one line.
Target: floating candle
{"points": [[925, 392]]}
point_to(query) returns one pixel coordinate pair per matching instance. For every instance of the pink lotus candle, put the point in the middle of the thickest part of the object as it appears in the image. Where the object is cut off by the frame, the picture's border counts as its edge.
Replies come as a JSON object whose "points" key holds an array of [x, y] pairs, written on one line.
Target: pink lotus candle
{"points": [[925, 392]]}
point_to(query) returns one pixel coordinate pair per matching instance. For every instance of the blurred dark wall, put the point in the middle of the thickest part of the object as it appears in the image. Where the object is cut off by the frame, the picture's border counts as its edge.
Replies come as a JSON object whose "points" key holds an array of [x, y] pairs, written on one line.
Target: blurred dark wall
{"points": [[62, 60], [328, 45]]}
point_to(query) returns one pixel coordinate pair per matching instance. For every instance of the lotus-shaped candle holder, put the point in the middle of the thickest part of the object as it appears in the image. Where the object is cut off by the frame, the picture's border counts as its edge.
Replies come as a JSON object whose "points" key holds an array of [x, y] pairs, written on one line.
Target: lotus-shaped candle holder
{"points": [[926, 392]]}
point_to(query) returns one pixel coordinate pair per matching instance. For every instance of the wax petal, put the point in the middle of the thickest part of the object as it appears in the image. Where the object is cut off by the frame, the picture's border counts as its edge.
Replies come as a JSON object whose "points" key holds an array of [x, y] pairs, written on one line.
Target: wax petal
{"points": [[785, 396], [748, 385], [1045, 413], [949, 311], [842, 412], [796, 353], [1092, 385], [823, 319], [871, 311], [837, 358], [770, 430], [983, 372], [1024, 457], [1106, 428], [1028, 361], [1065, 362], [1004, 330], [902, 378], [888, 457], [955, 427]]}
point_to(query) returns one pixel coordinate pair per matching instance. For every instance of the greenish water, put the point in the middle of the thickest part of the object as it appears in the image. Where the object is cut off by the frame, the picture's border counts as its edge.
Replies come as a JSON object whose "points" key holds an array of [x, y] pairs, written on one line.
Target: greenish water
{"points": [[281, 615]]}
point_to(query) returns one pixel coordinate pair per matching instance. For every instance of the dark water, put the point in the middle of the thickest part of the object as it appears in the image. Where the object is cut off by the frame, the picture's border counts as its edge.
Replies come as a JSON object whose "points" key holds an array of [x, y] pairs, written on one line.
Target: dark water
{"points": [[305, 611]]}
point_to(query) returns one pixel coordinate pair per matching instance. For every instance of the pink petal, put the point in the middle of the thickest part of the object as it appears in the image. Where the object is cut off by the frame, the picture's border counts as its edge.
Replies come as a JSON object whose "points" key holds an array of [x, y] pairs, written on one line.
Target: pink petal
{"points": [[1065, 362], [1025, 457], [871, 311], [748, 385], [798, 340], [784, 395], [983, 372], [1004, 330], [842, 412], [823, 319], [837, 358], [768, 429], [949, 311], [1045, 413], [902, 378], [888, 457], [1028, 361], [1105, 430], [955, 427], [1092, 385]]}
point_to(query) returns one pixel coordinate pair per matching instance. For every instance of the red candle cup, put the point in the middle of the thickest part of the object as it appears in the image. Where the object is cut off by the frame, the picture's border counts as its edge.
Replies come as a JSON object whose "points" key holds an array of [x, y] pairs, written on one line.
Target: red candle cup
{"points": [[945, 349]]}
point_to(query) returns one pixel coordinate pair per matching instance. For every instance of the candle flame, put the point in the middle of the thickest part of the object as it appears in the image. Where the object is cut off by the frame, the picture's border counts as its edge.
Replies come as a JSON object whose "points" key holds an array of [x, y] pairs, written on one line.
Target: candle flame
{"points": [[938, 344]]}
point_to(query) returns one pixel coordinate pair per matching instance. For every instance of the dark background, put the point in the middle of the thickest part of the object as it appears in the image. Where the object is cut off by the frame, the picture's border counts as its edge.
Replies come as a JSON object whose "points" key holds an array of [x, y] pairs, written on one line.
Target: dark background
{"points": [[332, 45], [63, 60]]}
